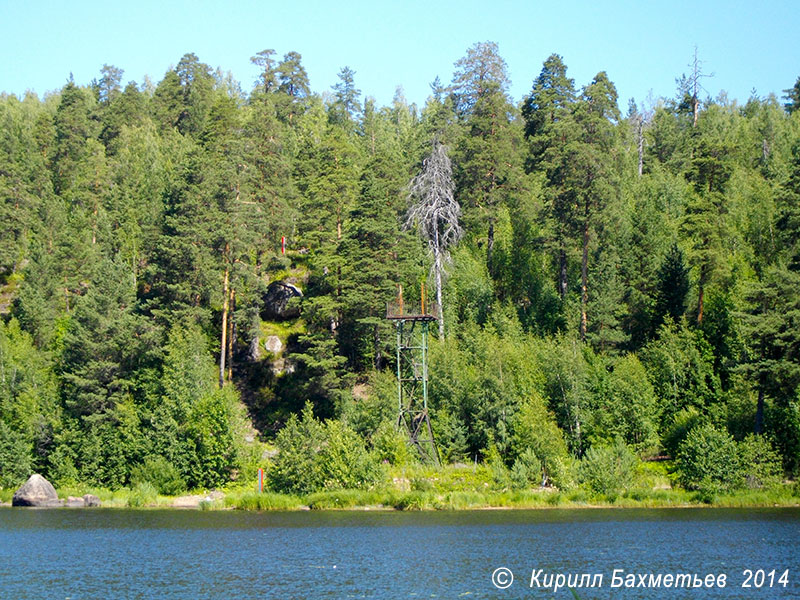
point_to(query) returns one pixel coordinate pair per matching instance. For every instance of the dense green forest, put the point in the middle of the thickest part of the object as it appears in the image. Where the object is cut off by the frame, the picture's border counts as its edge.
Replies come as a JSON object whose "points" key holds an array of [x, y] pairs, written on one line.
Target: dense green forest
{"points": [[616, 285]]}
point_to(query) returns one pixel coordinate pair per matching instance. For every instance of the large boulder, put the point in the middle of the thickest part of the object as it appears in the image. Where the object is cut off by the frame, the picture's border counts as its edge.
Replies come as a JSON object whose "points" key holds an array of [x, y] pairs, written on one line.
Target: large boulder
{"points": [[273, 344], [276, 301], [37, 491], [90, 500]]}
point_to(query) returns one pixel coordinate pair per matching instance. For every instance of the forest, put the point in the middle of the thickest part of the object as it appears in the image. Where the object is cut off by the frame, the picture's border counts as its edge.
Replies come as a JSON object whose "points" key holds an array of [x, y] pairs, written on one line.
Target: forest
{"points": [[617, 286]]}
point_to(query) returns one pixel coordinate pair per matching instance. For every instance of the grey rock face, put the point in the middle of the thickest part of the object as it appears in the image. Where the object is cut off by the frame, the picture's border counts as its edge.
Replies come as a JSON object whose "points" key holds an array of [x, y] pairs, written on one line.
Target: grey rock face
{"points": [[276, 301], [37, 491], [90, 500], [273, 344]]}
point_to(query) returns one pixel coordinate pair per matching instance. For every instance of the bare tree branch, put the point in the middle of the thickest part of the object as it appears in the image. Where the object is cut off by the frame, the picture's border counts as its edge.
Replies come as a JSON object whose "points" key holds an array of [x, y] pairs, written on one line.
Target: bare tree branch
{"points": [[435, 213]]}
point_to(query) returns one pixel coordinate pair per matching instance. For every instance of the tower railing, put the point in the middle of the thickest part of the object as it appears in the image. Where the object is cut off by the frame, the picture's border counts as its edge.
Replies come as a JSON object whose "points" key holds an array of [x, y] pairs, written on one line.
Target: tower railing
{"points": [[412, 322]]}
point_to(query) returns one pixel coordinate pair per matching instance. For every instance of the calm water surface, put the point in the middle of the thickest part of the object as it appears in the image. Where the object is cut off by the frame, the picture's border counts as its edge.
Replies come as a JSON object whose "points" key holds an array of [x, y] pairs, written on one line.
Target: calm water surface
{"points": [[154, 554]]}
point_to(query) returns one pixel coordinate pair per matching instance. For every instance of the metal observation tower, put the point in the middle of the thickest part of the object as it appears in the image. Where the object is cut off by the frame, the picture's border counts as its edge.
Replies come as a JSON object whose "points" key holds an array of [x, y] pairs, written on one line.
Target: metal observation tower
{"points": [[412, 322]]}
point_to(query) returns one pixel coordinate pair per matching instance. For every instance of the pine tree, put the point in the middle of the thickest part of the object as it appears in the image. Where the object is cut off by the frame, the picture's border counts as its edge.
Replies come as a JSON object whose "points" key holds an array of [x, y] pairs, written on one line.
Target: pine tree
{"points": [[488, 166], [549, 125]]}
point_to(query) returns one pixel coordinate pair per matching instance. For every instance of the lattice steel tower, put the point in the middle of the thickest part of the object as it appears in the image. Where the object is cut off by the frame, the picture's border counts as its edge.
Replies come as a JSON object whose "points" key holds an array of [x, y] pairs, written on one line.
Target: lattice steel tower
{"points": [[412, 323]]}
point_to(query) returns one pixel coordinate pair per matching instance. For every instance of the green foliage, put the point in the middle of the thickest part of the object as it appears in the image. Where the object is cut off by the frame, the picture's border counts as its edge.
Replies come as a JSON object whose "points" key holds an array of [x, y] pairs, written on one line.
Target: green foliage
{"points": [[143, 494], [680, 366], [211, 428], [15, 462], [539, 444], [608, 470], [708, 460], [158, 471], [629, 409], [784, 422], [760, 463], [390, 444], [526, 471], [682, 423], [313, 456], [618, 277]]}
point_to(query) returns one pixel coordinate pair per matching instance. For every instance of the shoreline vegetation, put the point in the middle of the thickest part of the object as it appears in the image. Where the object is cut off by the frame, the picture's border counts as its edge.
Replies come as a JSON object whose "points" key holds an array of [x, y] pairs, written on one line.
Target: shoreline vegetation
{"points": [[453, 487], [415, 500], [196, 282]]}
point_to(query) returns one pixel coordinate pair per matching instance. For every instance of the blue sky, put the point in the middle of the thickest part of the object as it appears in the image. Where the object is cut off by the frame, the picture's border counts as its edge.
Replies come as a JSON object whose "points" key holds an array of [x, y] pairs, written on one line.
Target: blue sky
{"points": [[644, 46]]}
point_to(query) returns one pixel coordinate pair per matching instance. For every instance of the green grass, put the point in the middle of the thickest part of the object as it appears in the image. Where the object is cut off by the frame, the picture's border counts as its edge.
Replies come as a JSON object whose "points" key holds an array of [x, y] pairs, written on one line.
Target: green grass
{"points": [[266, 501], [454, 487], [282, 329]]}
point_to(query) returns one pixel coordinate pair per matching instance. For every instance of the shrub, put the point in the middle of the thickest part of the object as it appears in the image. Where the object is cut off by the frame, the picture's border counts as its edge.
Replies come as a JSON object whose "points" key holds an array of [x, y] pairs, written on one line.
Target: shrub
{"points": [[142, 494], [162, 474], [500, 476], [708, 460], [343, 461], [682, 423], [313, 456], [391, 445], [535, 430], [760, 463], [608, 469], [526, 471]]}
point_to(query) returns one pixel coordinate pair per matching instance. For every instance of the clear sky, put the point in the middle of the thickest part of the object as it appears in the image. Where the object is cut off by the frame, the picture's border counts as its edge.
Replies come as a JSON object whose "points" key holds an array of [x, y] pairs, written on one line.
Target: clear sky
{"points": [[644, 46]]}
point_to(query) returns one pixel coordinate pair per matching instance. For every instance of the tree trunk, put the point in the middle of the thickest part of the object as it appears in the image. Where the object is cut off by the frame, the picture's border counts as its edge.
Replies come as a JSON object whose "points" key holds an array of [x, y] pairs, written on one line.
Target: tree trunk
{"points": [[584, 279], [438, 276], [223, 347], [490, 245], [376, 341], [232, 333], [759, 426], [700, 294], [562, 272]]}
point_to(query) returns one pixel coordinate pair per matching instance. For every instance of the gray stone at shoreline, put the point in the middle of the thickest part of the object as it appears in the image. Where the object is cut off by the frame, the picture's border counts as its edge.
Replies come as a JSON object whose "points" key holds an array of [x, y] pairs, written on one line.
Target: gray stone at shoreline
{"points": [[36, 492]]}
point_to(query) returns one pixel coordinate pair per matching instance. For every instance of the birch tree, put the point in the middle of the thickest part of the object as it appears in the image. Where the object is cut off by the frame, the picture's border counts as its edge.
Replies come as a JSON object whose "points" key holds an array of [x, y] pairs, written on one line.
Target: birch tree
{"points": [[435, 213]]}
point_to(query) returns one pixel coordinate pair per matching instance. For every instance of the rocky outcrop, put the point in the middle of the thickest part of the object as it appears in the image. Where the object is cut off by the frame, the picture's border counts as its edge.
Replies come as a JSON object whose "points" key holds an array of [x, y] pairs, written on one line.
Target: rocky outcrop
{"points": [[86, 501], [273, 344], [277, 304], [37, 491]]}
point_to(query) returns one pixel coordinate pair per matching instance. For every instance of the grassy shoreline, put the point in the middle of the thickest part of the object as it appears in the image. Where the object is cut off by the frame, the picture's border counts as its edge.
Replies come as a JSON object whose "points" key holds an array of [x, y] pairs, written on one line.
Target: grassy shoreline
{"points": [[417, 500]]}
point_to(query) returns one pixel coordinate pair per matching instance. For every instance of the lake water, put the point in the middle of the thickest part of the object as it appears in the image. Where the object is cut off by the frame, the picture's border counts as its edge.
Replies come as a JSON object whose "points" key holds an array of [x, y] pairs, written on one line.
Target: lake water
{"points": [[149, 554]]}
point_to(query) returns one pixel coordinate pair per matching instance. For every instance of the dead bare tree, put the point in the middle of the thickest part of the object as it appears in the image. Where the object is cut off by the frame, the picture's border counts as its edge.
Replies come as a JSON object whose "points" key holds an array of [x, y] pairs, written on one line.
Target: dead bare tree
{"points": [[691, 86], [435, 213]]}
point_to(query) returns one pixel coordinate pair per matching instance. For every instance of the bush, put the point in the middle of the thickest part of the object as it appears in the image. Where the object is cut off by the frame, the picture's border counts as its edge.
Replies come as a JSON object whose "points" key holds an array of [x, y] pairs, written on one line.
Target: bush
{"points": [[391, 445], [500, 476], [682, 423], [211, 429], [760, 463], [162, 474], [535, 430], [708, 460], [143, 494], [313, 456], [608, 469], [526, 471]]}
